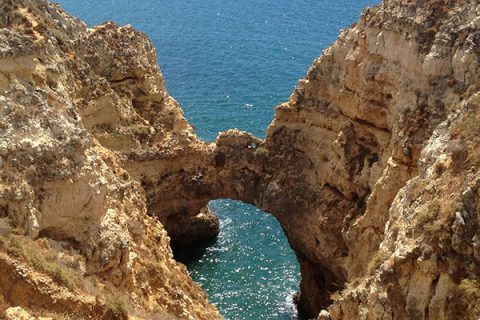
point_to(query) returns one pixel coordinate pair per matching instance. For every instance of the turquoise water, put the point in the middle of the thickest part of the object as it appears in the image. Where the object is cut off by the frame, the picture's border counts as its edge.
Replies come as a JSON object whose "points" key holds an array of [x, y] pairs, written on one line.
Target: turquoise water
{"points": [[229, 63]]}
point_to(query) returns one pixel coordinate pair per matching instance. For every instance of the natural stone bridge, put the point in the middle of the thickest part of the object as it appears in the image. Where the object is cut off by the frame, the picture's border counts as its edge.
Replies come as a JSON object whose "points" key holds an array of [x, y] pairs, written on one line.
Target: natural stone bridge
{"points": [[335, 157], [276, 176]]}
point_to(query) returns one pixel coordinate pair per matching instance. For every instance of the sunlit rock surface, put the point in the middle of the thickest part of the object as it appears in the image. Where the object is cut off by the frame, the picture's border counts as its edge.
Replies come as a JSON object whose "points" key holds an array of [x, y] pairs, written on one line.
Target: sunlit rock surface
{"points": [[370, 167]]}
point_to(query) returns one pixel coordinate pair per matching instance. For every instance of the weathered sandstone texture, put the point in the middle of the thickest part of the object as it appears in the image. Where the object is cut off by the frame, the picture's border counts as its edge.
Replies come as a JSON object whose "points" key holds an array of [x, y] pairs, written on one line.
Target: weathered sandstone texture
{"points": [[75, 103], [371, 167]]}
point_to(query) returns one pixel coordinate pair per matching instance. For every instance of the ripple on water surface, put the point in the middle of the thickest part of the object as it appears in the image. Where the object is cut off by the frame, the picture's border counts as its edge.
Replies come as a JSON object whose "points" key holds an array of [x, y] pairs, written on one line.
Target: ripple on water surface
{"points": [[250, 271]]}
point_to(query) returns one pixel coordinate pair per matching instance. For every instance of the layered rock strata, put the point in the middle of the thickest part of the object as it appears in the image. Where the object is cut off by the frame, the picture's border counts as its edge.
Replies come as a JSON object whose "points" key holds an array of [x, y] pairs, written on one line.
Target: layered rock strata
{"points": [[380, 201], [370, 167], [74, 101], [350, 159]]}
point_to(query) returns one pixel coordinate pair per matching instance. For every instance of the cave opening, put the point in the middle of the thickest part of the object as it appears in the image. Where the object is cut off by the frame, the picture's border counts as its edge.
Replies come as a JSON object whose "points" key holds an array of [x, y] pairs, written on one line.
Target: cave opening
{"points": [[249, 271]]}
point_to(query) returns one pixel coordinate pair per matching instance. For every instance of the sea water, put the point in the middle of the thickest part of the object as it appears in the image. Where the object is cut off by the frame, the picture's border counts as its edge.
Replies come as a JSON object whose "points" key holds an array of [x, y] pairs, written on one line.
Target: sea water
{"points": [[229, 63]]}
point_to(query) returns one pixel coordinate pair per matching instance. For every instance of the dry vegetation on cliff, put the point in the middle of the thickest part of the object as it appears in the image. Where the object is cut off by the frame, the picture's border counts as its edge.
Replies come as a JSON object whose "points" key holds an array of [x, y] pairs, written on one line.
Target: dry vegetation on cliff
{"points": [[371, 167], [81, 242]]}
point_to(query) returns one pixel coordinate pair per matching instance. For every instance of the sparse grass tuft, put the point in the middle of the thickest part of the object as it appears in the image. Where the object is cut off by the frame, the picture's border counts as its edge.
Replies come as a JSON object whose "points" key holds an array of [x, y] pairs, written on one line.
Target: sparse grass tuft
{"points": [[24, 249], [377, 261], [41, 256], [117, 303]]}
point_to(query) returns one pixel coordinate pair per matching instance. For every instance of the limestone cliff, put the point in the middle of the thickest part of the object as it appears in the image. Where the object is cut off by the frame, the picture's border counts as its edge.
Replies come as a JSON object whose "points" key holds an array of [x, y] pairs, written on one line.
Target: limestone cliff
{"points": [[379, 139], [72, 101], [371, 168], [358, 166]]}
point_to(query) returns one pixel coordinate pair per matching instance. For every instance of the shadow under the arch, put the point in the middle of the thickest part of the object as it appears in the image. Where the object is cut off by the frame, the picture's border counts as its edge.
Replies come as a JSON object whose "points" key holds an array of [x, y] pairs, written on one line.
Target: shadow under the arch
{"points": [[249, 271], [192, 253]]}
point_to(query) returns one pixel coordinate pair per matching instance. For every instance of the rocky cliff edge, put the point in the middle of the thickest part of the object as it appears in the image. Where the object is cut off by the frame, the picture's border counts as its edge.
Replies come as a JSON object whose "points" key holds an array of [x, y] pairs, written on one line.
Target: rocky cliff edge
{"points": [[371, 167]]}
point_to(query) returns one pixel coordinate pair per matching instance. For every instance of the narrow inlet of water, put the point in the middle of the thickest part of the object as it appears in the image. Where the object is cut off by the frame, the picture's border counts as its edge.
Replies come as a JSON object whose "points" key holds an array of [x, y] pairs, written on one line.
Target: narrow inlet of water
{"points": [[249, 271]]}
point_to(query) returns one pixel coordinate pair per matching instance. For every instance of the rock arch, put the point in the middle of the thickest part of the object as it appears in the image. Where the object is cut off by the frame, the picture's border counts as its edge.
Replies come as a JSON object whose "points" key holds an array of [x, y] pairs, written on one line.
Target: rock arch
{"points": [[335, 158], [274, 177]]}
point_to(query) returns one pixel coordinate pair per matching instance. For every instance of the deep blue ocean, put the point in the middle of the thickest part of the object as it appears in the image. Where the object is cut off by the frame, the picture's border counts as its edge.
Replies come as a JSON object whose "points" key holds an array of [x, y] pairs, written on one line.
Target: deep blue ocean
{"points": [[229, 63]]}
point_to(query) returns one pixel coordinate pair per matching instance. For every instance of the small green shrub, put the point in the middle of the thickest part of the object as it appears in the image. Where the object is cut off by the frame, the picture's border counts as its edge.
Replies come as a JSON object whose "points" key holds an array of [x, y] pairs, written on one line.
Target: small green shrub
{"points": [[428, 212], [439, 168], [140, 130], [470, 288], [467, 127], [117, 304], [260, 152], [464, 302]]}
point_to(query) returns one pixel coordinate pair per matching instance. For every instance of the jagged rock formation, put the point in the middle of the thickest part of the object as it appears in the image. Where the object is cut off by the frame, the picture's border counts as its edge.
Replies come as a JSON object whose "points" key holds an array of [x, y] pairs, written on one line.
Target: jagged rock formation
{"points": [[362, 119], [345, 166], [348, 165], [370, 167], [70, 98], [376, 215], [345, 162]]}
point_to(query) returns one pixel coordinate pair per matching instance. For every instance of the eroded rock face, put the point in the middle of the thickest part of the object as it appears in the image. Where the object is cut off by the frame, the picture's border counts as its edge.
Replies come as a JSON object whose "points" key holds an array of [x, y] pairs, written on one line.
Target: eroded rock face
{"points": [[350, 140], [72, 101], [370, 167]]}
